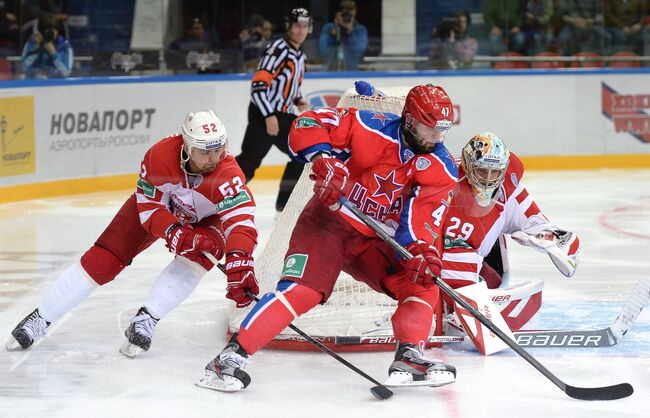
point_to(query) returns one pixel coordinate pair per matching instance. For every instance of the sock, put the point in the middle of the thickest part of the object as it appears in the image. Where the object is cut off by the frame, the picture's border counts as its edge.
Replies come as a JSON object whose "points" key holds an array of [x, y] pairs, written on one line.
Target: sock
{"points": [[274, 312], [68, 290], [174, 284], [412, 320]]}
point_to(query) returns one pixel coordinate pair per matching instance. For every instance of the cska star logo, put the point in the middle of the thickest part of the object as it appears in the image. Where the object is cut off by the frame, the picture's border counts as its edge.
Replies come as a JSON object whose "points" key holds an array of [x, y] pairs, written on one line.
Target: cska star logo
{"points": [[381, 117], [386, 186]]}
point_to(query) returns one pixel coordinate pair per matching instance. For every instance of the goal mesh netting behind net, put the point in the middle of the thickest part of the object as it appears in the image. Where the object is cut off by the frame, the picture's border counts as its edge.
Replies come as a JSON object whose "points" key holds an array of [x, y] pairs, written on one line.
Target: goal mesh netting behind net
{"points": [[355, 318]]}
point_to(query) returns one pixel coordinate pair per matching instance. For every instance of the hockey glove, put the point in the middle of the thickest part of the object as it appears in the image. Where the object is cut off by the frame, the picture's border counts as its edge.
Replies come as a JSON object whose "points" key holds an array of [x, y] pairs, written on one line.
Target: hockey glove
{"points": [[184, 241], [217, 238], [561, 246], [331, 180], [241, 277], [425, 266]]}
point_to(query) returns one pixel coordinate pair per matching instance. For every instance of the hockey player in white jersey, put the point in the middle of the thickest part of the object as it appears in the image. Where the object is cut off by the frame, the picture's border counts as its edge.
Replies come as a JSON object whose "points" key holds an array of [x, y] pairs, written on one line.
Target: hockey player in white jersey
{"points": [[490, 201]]}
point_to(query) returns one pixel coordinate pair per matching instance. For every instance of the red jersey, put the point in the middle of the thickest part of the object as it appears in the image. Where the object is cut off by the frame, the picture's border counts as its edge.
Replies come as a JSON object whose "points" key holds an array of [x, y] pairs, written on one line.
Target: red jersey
{"points": [[468, 239], [166, 194], [407, 193]]}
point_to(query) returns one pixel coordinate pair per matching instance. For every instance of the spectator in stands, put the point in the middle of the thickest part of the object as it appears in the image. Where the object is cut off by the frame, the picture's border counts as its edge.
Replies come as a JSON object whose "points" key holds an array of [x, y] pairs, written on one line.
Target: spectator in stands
{"points": [[582, 27], [451, 47], [254, 39], [9, 28], [502, 18], [624, 22], [194, 39], [55, 9], [536, 25], [47, 53], [344, 41]]}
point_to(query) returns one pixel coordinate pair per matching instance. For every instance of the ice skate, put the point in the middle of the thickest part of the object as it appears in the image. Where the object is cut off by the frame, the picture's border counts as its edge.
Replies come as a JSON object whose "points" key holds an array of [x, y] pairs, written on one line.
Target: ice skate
{"points": [[225, 373], [28, 331], [411, 368], [139, 334]]}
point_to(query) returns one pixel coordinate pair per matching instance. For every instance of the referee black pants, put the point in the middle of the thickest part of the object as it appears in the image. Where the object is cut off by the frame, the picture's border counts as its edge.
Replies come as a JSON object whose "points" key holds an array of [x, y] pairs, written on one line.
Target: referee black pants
{"points": [[257, 144]]}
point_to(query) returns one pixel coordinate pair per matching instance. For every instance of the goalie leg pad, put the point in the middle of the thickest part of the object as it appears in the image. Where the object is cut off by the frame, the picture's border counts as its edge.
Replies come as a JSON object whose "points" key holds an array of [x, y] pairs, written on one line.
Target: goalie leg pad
{"points": [[483, 338], [274, 312]]}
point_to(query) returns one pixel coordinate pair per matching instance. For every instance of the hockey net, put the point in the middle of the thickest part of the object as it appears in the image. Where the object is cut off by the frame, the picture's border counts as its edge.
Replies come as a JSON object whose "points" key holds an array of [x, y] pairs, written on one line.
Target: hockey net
{"points": [[355, 318]]}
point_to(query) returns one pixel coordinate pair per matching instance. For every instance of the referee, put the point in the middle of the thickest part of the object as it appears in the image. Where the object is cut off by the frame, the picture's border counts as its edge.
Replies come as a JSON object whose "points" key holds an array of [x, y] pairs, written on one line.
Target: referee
{"points": [[275, 95]]}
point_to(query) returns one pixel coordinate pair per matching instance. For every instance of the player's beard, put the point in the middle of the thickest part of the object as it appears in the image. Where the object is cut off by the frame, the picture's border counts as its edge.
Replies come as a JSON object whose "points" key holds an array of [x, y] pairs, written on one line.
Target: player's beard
{"points": [[413, 143], [208, 168]]}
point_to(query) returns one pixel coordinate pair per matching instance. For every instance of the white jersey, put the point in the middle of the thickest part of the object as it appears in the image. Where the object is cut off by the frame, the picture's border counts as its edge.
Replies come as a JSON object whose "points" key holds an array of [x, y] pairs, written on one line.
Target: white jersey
{"points": [[469, 239]]}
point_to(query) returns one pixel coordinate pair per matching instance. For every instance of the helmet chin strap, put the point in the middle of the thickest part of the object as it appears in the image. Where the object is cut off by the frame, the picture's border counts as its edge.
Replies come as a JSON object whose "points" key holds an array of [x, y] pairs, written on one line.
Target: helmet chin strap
{"points": [[185, 159]]}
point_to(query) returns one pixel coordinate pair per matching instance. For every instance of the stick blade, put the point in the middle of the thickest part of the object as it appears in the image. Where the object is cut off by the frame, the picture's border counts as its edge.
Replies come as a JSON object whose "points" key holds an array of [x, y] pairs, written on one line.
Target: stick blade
{"points": [[381, 392], [606, 393]]}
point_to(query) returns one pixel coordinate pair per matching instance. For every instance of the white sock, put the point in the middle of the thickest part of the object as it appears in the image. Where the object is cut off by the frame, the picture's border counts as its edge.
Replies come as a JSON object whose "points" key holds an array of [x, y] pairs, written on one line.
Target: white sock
{"points": [[69, 290], [175, 283]]}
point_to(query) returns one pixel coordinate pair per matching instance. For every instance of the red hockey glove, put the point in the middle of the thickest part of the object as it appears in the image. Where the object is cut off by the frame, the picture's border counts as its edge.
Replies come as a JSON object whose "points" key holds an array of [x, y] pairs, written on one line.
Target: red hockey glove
{"points": [[241, 277], [218, 242], [183, 241], [425, 266], [331, 180]]}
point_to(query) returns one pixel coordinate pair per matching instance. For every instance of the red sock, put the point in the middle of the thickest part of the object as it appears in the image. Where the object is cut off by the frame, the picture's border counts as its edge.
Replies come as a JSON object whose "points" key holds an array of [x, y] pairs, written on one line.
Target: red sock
{"points": [[412, 321], [270, 315]]}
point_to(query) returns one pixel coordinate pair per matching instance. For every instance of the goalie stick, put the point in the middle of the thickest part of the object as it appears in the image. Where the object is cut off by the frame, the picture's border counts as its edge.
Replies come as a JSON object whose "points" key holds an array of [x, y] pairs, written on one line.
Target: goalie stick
{"points": [[554, 338], [618, 391], [379, 391], [605, 337]]}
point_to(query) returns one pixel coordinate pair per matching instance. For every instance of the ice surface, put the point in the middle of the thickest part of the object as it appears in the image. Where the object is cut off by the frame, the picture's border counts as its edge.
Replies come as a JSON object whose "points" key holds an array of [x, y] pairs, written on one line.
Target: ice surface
{"points": [[77, 371]]}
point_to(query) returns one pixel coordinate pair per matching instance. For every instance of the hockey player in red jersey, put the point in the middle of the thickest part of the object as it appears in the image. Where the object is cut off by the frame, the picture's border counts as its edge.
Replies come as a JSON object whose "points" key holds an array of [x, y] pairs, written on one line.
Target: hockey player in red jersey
{"points": [[190, 193], [490, 201], [396, 170]]}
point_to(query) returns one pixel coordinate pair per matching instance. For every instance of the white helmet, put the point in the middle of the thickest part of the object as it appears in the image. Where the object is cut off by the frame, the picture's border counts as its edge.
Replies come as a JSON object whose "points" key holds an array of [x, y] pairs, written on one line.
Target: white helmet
{"points": [[203, 130], [485, 160]]}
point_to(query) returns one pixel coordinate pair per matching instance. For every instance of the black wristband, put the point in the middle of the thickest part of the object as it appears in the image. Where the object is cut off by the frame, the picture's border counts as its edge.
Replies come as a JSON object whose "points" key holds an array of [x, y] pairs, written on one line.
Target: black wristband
{"points": [[171, 228]]}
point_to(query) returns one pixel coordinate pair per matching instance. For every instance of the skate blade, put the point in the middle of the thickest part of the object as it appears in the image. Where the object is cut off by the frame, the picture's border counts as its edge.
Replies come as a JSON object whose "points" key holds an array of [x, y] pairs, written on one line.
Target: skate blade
{"points": [[212, 381], [433, 379], [130, 350], [13, 345]]}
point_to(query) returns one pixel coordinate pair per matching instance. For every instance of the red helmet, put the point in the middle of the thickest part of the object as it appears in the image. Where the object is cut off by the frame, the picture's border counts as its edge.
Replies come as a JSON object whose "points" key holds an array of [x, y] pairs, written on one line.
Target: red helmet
{"points": [[429, 105]]}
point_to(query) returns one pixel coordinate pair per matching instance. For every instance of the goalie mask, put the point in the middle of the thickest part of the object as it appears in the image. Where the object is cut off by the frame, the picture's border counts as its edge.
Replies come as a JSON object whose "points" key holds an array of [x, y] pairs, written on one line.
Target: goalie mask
{"points": [[203, 135], [427, 117], [485, 160]]}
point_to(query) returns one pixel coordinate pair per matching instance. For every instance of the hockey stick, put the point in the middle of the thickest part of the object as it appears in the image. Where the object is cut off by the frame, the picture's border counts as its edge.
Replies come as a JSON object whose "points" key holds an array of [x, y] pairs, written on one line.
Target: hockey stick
{"points": [[605, 337], [618, 391], [379, 391]]}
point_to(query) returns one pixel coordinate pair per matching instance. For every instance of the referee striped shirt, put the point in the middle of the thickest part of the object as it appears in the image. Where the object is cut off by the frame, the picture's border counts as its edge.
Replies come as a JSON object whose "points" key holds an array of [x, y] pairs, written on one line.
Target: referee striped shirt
{"points": [[276, 83]]}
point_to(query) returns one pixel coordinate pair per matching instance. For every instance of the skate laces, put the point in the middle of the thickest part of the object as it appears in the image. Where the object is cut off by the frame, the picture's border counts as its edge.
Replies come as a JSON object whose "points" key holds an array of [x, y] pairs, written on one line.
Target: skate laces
{"points": [[230, 358], [144, 324], [35, 326], [416, 355]]}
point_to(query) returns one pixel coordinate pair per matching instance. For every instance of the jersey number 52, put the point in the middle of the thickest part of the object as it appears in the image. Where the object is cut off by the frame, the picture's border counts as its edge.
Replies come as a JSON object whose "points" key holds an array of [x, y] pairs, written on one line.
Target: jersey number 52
{"points": [[232, 187]]}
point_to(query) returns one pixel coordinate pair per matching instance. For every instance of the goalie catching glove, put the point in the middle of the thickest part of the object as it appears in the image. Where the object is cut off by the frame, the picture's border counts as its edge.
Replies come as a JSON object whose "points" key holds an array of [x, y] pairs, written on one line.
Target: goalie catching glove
{"points": [[184, 241], [241, 277], [561, 246], [331, 180], [425, 266]]}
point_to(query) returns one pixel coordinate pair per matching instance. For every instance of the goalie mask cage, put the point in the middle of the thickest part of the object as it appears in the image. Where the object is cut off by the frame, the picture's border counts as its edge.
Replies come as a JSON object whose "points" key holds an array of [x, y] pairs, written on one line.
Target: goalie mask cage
{"points": [[355, 318]]}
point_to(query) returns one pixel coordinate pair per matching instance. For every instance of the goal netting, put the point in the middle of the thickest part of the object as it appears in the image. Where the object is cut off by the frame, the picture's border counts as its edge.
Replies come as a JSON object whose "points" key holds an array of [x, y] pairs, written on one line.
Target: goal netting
{"points": [[355, 318]]}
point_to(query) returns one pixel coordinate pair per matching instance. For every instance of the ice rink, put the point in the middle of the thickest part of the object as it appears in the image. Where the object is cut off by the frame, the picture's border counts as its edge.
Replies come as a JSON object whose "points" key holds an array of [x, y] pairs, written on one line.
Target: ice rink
{"points": [[77, 371]]}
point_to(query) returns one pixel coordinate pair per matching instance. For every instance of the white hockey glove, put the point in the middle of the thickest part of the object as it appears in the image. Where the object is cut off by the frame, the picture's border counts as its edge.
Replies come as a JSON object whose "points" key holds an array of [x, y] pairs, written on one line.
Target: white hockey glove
{"points": [[561, 246]]}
